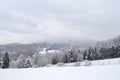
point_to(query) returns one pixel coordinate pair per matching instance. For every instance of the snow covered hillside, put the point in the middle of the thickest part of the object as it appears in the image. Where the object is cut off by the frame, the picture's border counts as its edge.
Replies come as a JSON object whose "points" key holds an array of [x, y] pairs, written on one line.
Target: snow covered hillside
{"points": [[97, 70], [63, 73], [114, 61]]}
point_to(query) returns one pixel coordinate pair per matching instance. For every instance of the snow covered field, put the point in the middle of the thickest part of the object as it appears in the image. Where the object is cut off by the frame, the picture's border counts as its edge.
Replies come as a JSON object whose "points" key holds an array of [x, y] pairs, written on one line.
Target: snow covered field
{"points": [[63, 73], [92, 72]]}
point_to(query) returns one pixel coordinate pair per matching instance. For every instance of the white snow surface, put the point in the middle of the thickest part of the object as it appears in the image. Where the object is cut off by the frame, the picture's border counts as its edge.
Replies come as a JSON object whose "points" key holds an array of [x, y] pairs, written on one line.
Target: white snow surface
{"points": [[63, 73], [95, 71]]}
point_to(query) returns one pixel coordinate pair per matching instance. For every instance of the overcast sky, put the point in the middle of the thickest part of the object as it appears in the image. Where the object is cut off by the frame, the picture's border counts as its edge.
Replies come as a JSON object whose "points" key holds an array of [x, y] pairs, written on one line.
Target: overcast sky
{"points": [[65, 21]]}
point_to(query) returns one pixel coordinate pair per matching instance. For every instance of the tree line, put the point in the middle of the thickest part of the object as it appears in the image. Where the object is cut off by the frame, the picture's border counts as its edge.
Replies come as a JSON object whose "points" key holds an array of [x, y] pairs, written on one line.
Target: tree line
{"points": [[69, 56]]}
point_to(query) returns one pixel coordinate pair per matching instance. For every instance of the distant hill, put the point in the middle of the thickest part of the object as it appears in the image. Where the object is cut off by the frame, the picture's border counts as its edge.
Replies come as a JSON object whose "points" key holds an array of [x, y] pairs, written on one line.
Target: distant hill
{"points": [[109, 43]]}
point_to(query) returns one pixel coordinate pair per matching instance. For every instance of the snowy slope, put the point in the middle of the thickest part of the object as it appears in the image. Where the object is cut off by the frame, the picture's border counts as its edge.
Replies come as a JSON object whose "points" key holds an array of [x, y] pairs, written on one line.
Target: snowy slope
{"points": [[114, 61], [98, 70], [63, 73]]}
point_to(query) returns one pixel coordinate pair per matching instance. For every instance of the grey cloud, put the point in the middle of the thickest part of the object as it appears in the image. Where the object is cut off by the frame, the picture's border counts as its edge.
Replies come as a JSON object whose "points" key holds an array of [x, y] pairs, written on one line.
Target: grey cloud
{"points": [[58, 20]]}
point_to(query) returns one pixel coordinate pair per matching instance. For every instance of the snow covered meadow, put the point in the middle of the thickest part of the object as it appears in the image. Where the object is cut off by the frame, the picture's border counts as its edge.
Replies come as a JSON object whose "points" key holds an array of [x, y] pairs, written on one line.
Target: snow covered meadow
{"points": [[63, 73], [97, 70]]}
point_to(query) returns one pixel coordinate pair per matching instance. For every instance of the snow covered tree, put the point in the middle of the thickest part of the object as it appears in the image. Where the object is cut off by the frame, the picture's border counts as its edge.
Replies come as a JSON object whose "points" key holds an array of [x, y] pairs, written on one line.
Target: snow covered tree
{"points": [[40, 60], [79, 57], [19, 63], [85, 55], [54, 60], [36, 59], [72, 56], [27, 64], [65, 58], [5, 60]]}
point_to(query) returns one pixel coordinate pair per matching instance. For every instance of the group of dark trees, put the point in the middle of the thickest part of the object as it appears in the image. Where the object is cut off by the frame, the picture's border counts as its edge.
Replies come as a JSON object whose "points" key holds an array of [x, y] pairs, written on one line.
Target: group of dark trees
{"points": [[102, 53], [6, 61], [73, 55], [92, 53]]}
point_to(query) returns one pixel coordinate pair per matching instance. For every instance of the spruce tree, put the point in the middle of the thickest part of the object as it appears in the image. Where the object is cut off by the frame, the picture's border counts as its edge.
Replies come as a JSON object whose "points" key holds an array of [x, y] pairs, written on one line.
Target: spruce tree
{"points": [[5, 60]]}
